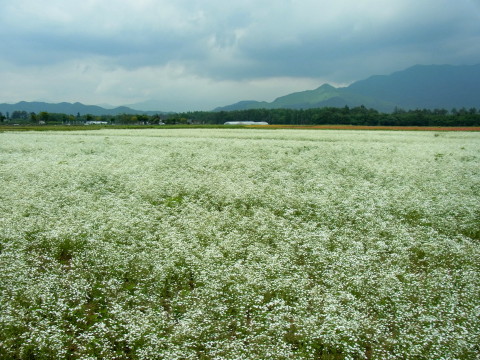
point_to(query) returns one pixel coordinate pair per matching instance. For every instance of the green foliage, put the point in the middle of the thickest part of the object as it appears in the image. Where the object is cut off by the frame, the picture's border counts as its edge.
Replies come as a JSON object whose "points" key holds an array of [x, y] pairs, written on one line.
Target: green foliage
{"points": [[317, 116], [341, 116]]}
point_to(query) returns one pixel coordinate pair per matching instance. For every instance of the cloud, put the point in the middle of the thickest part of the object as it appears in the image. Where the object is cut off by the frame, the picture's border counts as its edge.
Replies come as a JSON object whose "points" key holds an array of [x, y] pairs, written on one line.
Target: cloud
{"points": [[173, 87], [189, 45], [338, 42]]}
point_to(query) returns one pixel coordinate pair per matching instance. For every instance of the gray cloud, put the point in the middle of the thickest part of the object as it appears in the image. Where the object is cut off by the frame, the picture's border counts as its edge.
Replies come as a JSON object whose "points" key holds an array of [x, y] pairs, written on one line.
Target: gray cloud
{"points": [[213, 42]]}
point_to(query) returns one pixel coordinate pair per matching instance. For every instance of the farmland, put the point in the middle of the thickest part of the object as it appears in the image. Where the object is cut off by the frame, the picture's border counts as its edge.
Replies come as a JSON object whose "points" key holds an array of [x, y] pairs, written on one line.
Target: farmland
{"points": [[239, 244]]}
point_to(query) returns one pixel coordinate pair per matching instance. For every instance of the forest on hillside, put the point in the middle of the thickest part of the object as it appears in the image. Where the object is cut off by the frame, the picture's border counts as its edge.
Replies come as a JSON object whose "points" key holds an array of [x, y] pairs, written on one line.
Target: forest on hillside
{"points": [[319, 116]]}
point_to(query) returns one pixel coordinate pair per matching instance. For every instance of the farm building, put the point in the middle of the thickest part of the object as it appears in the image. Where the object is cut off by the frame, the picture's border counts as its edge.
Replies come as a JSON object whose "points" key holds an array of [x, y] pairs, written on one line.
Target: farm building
{"points": [[246, 123], [94, 122]]}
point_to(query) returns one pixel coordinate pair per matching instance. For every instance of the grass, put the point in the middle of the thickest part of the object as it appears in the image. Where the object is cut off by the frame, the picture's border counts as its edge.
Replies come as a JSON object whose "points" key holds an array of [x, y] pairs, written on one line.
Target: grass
{"points": [[5, 128]]}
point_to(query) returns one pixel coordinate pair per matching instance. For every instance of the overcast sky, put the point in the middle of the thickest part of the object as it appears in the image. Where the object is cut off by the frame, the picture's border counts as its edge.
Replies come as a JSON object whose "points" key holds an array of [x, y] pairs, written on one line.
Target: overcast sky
{"points": [[199, 54]]}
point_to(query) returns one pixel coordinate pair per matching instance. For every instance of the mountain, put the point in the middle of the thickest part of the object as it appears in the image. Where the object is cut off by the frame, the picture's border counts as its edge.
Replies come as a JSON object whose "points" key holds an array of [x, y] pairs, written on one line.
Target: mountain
{"points": [[418, 87], [421, 86], [244, 105], [327, 95], [69, 108]]}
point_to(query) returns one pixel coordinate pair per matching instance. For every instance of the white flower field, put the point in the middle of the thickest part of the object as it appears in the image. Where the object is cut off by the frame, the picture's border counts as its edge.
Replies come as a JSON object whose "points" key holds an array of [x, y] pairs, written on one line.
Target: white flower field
{"points": [[239, 244]]}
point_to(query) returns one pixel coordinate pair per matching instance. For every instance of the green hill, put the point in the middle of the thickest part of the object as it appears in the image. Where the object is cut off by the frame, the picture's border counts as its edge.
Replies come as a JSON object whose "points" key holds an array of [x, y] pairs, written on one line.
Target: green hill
{"points": [[434, 86], [308, 97], [67, 108], [418, 87]]}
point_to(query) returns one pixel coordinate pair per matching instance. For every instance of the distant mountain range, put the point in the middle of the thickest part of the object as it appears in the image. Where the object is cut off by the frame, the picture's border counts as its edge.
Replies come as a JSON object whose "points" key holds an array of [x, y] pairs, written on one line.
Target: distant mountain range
{"points": [[69, 108], [418, 87]]}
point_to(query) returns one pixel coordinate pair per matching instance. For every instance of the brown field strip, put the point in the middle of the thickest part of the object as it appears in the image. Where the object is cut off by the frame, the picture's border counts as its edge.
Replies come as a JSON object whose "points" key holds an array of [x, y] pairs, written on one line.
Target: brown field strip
{"points": [[364, 127]]}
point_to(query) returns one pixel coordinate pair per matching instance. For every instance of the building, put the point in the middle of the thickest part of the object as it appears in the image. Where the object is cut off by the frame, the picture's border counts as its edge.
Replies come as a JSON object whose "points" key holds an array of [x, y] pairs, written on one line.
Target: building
{"points": [[245, 123]]}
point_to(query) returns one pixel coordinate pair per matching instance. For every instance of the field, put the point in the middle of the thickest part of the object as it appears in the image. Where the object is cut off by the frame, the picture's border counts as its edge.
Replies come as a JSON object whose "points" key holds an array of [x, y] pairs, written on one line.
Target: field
{"points": [[239, 244], [369, 127]]}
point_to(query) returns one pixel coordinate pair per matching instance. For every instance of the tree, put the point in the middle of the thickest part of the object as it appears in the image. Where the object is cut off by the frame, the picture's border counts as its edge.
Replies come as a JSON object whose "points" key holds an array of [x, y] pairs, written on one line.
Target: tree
{"points": [[43, 117], [156, 119], [22, 115], [143, 119]]}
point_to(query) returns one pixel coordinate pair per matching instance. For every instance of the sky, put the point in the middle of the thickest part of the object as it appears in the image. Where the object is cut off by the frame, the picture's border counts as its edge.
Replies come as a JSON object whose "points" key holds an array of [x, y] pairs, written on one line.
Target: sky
{"points": [[186, 55]]}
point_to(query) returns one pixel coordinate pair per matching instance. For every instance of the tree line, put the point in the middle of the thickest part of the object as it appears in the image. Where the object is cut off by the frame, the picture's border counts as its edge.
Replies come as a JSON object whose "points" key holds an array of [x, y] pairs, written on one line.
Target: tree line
{"points": [[359, 115], [343, 116], [48, 118]]}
